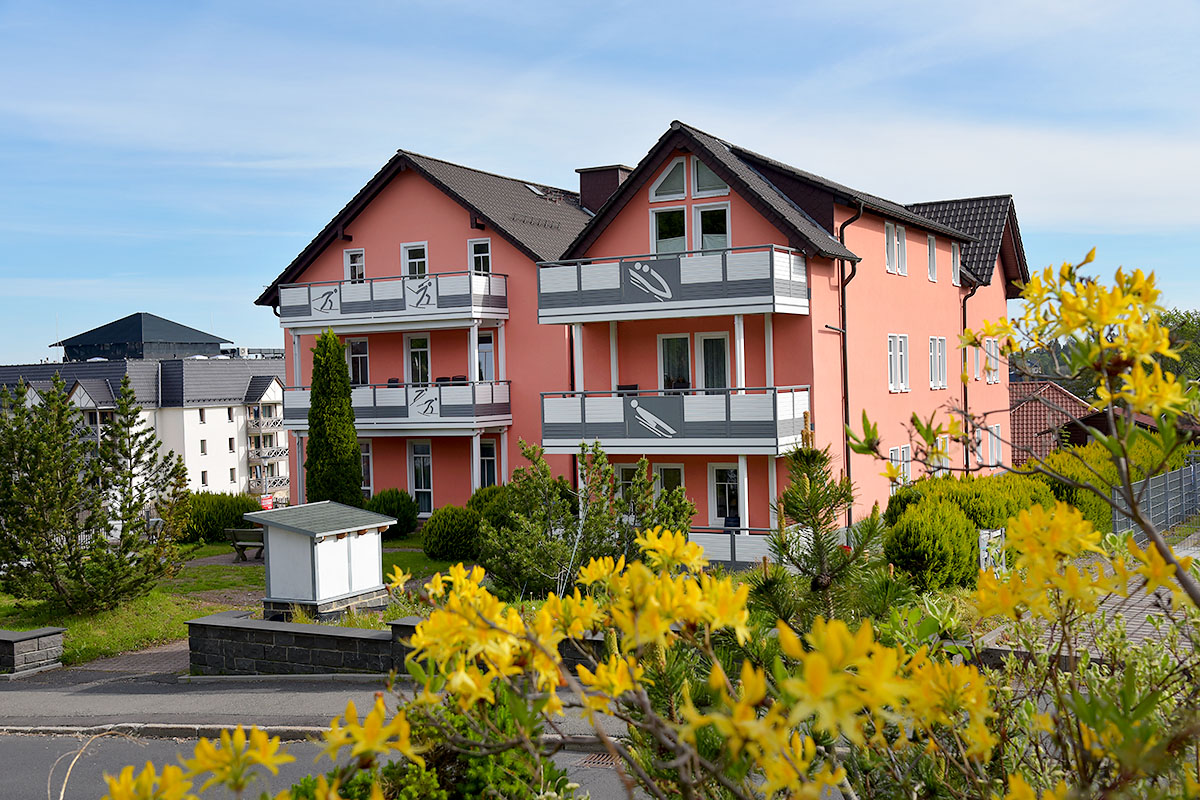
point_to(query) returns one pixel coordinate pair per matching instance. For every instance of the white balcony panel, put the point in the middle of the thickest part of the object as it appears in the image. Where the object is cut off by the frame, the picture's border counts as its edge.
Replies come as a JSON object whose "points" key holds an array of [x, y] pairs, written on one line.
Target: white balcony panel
{"points": [[456, 395], [481, 284], [389, 290], [362, 396], [356, 292], [453, 284], [484, 392], [700, 269], [716, 545], [704, 408], [751, 407], [397, 397], [562, 410], [297, 398], [749, 266], [601, 276], [785, 405], [558, 279], [754, 548], [498, 286], [501, 392], [294, 296], [605, 409]]}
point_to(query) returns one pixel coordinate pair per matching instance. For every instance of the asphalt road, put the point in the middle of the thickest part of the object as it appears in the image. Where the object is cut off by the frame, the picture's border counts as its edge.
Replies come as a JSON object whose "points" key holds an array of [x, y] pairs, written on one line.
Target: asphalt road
{"points": [[27, 761]]}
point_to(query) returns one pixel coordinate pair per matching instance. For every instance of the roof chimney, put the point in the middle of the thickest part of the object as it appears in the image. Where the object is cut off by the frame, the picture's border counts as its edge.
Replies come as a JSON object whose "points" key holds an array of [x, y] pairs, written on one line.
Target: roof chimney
{"points": [[597, 184]]}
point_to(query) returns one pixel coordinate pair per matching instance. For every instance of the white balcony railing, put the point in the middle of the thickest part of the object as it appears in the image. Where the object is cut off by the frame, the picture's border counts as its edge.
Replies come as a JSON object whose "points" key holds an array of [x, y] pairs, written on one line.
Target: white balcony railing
{"points": [[736, 280], [263, 454], [446, 295], [264, 423], [448, 404], [272, 483], [737, 421]]}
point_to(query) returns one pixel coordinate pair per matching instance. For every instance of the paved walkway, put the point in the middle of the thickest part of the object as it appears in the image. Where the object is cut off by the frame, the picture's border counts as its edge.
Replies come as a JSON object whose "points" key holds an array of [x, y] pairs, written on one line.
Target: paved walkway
{"points": [[166, 658]]}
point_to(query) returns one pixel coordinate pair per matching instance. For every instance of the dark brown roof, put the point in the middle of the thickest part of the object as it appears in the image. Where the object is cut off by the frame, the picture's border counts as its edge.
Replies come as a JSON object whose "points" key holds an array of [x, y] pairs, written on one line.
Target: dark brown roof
{"points": [[719, 156], [988, 219], [538, 220]]}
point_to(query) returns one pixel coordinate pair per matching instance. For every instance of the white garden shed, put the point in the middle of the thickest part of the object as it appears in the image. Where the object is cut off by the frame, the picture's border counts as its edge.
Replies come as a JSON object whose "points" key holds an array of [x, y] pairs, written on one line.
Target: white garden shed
{"points": [[325, 558]]}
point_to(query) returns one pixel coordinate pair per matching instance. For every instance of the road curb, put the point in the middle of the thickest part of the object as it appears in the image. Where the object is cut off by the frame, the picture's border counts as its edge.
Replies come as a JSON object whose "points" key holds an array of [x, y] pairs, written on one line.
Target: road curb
{"points": [[330, 677]]}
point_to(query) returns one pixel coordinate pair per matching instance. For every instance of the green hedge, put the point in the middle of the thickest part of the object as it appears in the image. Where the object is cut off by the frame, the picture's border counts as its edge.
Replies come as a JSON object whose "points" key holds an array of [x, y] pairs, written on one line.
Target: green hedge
{"points": [[399, 504], [210, 513], [988, 502], [451, 534], [935, 544]]}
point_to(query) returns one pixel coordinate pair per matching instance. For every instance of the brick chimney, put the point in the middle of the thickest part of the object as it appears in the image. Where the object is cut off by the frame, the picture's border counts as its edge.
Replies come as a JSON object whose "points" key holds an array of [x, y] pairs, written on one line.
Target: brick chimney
{"points": [[597, 184]]}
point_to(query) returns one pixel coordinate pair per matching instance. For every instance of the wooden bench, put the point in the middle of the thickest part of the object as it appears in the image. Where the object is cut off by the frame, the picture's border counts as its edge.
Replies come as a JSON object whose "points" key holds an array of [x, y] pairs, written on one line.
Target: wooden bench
{"points": [[243, 539]]}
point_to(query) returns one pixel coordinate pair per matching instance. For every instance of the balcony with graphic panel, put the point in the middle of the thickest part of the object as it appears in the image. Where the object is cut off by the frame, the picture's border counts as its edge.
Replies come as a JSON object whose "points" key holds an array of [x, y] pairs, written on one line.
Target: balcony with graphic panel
{"points": [[414, 408], [444, 299], [698, 283], [751, 421]]}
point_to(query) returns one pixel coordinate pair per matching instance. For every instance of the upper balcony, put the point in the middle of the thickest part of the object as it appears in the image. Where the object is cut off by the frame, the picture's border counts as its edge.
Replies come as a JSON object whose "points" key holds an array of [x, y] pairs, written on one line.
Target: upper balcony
{"points": [[444, 299], [261, 455], [255, 424], [696, 283], [764, 421], [414, 408]]}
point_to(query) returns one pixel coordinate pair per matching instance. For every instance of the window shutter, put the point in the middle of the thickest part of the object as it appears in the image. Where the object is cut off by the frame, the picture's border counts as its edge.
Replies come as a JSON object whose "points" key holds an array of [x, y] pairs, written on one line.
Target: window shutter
{"points": [[955, 264], [902, 354], [901, 251], [889, 238], [933, 367], [932, 258], [892, 371]]}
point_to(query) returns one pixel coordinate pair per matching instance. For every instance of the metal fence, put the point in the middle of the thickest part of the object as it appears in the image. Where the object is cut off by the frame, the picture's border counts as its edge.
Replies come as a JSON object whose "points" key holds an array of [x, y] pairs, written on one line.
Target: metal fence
{"points": [[1168, 498]]}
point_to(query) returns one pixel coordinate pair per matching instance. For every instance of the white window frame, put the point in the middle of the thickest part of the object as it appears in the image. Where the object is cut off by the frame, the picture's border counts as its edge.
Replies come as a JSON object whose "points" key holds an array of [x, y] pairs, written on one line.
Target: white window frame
{"points": [[233, 444], [691, 366], [698, 232], [484, 458], [229, 413], [412, 474], [405, 260], [471, 256], [233, 474], [994, 446], [347, 264], [696, 193], [978, 362], [366, 357], [898, 363], [901, 250], [658, 481], [408, 337], [901, 458], [991, 349], [956, 263], [687, 230], [895, 249], [204, 447], [366, 454], [937, 362], [202, 420], [204, 477], [662, 176], [932, 245], [699, 350], [487, 356], [941, 465], [713, 519]]}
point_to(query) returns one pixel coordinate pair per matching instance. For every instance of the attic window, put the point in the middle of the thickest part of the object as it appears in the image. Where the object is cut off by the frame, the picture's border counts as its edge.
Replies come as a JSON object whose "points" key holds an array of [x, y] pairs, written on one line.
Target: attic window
{"points": [[670, 186], [706, 182], [535, 190]]}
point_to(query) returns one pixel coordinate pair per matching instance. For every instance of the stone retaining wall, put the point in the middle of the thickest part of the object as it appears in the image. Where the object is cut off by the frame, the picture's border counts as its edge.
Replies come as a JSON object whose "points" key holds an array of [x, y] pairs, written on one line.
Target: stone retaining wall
{"points": [[26, 652]]}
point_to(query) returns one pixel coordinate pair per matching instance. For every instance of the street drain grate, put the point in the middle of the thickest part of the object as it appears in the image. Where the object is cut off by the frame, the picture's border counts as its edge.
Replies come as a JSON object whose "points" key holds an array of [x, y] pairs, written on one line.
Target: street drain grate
{"points": [[600, 760]]}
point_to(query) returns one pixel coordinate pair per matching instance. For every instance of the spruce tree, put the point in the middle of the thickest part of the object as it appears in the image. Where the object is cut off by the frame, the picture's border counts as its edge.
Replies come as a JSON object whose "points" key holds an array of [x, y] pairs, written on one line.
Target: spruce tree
{"points": [[333, 465]]}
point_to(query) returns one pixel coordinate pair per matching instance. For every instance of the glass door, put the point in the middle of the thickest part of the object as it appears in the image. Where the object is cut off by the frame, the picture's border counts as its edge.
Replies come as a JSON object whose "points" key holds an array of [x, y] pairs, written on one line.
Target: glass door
{"points": [[713, 356]]}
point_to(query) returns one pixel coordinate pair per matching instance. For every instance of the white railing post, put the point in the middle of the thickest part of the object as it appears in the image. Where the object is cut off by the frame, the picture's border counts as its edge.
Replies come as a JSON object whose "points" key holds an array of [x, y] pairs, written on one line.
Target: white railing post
{"points": [[739, 335], [743, 500]]}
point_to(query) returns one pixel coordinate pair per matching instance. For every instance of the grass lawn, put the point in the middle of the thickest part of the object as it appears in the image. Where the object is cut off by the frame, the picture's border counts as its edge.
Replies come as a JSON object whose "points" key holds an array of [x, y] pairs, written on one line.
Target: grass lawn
{"points": [[419, 564]]}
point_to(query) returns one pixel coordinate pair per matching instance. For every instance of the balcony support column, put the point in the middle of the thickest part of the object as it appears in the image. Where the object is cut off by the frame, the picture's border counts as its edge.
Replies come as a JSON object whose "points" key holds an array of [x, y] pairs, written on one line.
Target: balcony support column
{"points": [[504, 455], [502, 353], [743, 500], [300, 475], [772, 484], [769, 340], [475, 453], [473, 354], [577, 342], [739, 338], [612, 354]]}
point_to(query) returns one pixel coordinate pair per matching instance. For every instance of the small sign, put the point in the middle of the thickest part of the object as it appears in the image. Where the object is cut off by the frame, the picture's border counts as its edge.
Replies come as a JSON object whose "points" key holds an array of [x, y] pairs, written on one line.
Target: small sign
{"points": [[267, 501]]}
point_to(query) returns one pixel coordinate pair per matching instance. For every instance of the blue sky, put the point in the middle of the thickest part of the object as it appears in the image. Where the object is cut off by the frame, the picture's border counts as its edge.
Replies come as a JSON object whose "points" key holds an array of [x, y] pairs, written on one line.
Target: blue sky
{"points": [[174, 157]]}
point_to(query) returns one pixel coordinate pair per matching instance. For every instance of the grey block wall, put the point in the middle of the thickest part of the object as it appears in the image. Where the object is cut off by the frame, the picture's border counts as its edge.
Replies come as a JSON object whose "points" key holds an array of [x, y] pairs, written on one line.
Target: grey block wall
{"points": [[26, 652]]}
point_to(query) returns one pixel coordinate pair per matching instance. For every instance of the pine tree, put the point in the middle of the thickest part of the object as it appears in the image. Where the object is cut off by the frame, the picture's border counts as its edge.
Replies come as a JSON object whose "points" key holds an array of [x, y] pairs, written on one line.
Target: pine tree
{"points": [[146, 501], [333, 466], [51, 514]]}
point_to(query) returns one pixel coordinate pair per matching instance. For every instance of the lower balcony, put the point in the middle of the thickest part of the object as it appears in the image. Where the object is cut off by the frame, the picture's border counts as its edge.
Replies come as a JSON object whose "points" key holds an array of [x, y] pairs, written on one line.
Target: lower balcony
{"points": [[271, 483], [261, 455], [759, 421], [414, 408]]}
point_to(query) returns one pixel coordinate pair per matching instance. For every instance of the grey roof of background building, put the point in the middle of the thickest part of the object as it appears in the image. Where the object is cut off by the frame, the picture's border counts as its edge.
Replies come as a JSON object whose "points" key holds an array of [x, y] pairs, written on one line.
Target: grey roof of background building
{"points": [[539, 223], [258, 387], [985, 219], [141, 327], [320, 519]]}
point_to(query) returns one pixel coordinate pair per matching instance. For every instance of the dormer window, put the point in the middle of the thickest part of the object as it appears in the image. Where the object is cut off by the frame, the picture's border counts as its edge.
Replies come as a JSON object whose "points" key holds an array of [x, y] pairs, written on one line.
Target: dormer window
{"points": [[671, 185], [705, 182]]}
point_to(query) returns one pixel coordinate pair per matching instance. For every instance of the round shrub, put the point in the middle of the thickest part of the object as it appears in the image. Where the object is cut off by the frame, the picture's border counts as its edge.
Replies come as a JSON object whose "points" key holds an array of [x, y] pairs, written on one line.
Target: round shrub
{"points": [[492, 504], [399, 504], [935, 544], [452, 534]]}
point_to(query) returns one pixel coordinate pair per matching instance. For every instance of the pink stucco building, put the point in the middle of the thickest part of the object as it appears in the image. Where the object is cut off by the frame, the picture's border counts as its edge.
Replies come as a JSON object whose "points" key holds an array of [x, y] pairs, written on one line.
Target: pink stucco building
{"points": [[709, 309]]}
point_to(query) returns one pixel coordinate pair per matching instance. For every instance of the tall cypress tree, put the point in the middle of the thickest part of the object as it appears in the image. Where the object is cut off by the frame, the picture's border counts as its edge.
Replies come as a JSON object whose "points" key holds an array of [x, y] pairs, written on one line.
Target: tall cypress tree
{"points": [[333, 466]]}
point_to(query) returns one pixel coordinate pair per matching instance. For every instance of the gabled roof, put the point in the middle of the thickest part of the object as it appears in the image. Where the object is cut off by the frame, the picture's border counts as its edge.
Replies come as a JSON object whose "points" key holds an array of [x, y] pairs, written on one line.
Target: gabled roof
{"points": [[258, 387], [141, 327], [812, 239], [538, 220], [993, 223]]}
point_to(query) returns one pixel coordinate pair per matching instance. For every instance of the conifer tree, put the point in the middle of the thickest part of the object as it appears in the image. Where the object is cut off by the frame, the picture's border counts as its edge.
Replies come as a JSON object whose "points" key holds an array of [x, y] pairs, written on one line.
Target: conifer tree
{"points": [[333, 465]]}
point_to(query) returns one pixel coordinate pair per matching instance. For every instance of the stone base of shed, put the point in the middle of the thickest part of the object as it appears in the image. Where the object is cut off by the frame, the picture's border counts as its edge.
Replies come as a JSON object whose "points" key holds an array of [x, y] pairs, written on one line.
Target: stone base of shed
{"points": [[329, 610]]}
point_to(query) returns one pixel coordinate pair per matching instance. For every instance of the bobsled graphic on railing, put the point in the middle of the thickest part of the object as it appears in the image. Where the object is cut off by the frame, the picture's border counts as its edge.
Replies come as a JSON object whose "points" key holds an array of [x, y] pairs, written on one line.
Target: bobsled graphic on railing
{"points": [[646, 278], [650, 421]]}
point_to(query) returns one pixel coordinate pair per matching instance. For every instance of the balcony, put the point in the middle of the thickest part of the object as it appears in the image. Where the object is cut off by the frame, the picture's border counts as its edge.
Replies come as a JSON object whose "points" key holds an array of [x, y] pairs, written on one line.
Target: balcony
{"points": [[255, 424], [445, 299], [697, 283], [272, 483], [410, 408], [764, 421], [261, 455]]}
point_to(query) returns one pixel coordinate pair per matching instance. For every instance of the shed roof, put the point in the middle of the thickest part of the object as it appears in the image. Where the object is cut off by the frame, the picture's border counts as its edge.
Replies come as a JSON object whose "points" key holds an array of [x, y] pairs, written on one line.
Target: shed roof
{"points": [[320, 519]]}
